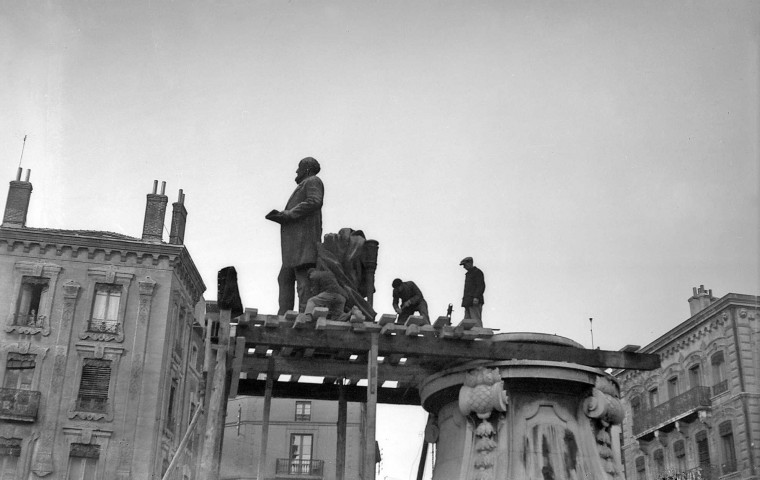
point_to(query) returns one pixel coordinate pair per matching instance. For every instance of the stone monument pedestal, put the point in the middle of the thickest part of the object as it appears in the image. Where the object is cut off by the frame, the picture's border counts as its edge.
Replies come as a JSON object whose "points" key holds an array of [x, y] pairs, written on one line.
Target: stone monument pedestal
{"points": [[524, 419]]}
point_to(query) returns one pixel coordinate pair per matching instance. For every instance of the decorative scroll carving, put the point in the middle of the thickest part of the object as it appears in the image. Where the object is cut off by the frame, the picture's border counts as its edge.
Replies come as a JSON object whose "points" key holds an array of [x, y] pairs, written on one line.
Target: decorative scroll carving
{"points": [[482, 394], [604, 408]]}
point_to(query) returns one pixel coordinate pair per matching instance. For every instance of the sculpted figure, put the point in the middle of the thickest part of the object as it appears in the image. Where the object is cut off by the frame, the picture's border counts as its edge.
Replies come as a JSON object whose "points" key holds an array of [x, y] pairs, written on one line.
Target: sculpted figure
{"points": [[325, 293], [300, 234], [352, 259]]}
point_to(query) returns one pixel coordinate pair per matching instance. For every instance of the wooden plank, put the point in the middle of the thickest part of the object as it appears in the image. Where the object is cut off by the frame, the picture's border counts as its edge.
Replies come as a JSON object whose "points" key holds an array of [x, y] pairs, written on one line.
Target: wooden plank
{"points": [[265, 420], [237, 364], [421, 346], [371, 409], [340, 450], [354, 393]]}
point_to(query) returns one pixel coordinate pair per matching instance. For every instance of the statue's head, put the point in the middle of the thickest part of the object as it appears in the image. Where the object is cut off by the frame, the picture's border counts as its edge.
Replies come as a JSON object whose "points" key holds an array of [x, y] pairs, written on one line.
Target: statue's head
{"points": [[307, 167], [396, 283]]}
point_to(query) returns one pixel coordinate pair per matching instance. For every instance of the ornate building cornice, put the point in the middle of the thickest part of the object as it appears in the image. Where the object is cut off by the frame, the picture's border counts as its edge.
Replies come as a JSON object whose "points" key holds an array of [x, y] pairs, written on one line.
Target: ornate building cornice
{"points": [[75, 244]]}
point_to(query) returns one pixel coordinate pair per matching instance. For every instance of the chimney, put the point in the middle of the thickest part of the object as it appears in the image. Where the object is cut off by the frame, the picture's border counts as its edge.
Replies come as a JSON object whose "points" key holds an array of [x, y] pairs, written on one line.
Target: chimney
{"points": [[18, 201], [179, 218], [700, 300], [155, 212]]}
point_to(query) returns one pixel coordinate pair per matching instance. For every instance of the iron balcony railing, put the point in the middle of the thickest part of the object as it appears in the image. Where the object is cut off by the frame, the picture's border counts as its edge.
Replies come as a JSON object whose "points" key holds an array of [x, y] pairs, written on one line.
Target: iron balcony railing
{"points": [[720, 387], [696, 398], [103, 326], [19, 405], [703, 472], [28, 320], [287, 466]]}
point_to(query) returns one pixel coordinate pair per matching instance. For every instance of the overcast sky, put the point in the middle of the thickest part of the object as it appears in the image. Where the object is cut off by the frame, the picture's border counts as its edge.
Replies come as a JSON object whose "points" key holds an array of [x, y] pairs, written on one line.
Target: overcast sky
{"points": [[596, 158]]}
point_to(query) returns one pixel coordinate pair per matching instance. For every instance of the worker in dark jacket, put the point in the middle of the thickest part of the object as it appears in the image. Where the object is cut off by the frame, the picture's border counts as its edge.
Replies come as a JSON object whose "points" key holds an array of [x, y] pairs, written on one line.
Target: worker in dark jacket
{"points": [[474, 286], [326, 292], [411, 300]]}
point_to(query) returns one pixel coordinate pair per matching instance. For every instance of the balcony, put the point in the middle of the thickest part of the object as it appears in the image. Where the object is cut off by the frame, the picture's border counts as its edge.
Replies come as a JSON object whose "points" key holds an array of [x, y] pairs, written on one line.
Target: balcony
{"points": [[19, 405], [667, 413], [720, 387], [288, 468], [703, 472]]}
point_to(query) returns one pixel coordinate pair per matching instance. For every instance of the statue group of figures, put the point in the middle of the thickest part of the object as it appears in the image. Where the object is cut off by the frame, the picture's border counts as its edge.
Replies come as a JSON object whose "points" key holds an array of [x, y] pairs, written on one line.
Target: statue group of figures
{"points": [[337, 273]]}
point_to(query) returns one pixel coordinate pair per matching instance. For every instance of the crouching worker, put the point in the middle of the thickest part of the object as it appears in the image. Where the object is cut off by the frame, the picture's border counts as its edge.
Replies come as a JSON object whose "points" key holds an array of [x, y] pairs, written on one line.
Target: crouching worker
{"points": [[326, 292], [411, 300]]}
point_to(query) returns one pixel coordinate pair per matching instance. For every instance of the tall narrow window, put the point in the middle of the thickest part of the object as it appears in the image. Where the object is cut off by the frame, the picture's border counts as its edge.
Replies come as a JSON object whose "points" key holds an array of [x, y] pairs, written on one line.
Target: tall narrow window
{"points": [[679, 452], [703, 451], [654, 398], [659, 462], [93, 387], [720, 382], [83, 461], [728, 449], [695, 376], [10, 451], [303, 411], [105, 308], [300, 454], [641, 468], [672, 388], [30, 300], [172, 411], [19, 371]]}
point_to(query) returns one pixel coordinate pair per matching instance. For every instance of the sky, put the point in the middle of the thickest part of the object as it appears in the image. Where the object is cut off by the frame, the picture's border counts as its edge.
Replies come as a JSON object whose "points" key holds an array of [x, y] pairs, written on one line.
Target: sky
{"points": [[597, 159]]}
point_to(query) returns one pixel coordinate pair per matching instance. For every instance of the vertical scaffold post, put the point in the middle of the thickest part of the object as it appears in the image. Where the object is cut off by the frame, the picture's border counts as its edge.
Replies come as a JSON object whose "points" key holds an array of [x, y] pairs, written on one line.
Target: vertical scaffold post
{"points": [[340, 451], [213, 437], [265, 420], [371, 412]]}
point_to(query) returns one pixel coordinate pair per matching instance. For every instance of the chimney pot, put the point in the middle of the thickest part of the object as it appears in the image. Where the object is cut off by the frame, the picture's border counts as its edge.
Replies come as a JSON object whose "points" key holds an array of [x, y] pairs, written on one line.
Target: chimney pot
{"points": [[17, 205], [179, 219], [155, 213]]}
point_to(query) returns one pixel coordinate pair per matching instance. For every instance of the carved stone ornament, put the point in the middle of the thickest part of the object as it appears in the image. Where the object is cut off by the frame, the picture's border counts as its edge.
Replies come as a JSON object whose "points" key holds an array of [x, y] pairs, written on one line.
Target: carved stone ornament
{"points": [[482, 394]]}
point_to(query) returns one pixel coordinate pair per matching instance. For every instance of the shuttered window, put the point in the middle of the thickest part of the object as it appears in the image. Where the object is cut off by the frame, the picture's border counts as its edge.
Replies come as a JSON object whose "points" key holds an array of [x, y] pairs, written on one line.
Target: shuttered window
{"points": [[93, 387], [10, 451], [703, 449]]}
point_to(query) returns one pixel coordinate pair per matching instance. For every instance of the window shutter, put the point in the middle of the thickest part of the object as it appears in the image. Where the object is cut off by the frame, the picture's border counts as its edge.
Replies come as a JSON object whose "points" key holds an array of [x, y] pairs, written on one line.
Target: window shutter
{"points": [[96, 377], [725, 428], [678, 449]]}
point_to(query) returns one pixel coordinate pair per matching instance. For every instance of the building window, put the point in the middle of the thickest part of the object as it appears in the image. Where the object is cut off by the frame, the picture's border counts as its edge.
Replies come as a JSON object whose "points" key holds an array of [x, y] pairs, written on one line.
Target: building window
{"points": [[679, 452], [172, 411], [654, 398], [19, 371], [641, 468], [659, 462], [720, 381], [93, 386], [695, 376], [83, 461], [703, 449], [10, 451], [728, 449], [303, 411], [105, 309], [30, 300], [672, 388], [300, 454]]}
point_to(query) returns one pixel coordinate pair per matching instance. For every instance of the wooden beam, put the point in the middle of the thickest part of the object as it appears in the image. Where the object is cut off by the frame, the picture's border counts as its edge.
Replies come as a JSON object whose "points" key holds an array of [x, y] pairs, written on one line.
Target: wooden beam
{"points": [[265, 420], [237, 363], [371, 411], [340, 450], [209, 465], [318, 391], [421, 346]]}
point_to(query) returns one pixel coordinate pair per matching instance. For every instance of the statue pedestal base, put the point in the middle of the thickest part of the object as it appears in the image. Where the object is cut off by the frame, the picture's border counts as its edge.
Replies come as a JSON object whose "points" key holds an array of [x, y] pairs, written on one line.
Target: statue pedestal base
{"points": [[527, 420]]}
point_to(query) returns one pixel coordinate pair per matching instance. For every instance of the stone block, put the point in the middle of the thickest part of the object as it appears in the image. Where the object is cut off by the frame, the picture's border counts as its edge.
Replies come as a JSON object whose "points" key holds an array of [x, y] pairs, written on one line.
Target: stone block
{"points": [[415, 320], [325, 324], [387, 318]]}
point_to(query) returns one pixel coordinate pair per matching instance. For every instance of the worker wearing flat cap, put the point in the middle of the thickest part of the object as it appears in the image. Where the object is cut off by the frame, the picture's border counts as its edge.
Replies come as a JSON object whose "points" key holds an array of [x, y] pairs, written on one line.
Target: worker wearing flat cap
{"points": [[474, 286]]}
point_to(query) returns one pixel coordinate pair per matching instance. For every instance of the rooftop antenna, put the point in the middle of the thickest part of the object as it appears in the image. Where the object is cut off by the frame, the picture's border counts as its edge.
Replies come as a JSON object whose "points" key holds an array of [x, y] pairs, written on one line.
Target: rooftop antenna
{"points": [[22, 152], [591, 325]]}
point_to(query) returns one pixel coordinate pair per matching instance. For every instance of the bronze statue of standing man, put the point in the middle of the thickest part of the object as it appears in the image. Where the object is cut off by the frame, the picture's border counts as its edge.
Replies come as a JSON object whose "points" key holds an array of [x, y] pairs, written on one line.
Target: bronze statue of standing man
{"points": [[300, 234]]}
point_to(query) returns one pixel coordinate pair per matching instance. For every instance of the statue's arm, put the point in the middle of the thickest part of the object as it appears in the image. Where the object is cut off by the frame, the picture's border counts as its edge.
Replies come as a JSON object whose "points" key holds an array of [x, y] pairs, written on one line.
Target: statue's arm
{"points": [[315, 192]]}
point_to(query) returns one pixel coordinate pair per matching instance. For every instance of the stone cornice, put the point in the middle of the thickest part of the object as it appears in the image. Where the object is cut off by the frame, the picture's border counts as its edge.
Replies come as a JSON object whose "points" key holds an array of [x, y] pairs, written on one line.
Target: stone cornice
{"points": [[59, 245]]}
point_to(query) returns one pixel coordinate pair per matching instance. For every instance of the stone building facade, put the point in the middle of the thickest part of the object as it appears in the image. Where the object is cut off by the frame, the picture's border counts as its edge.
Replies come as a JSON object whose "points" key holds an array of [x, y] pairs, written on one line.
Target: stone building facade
{"points": [[698, 416], [301, 441], [101, 348]]}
